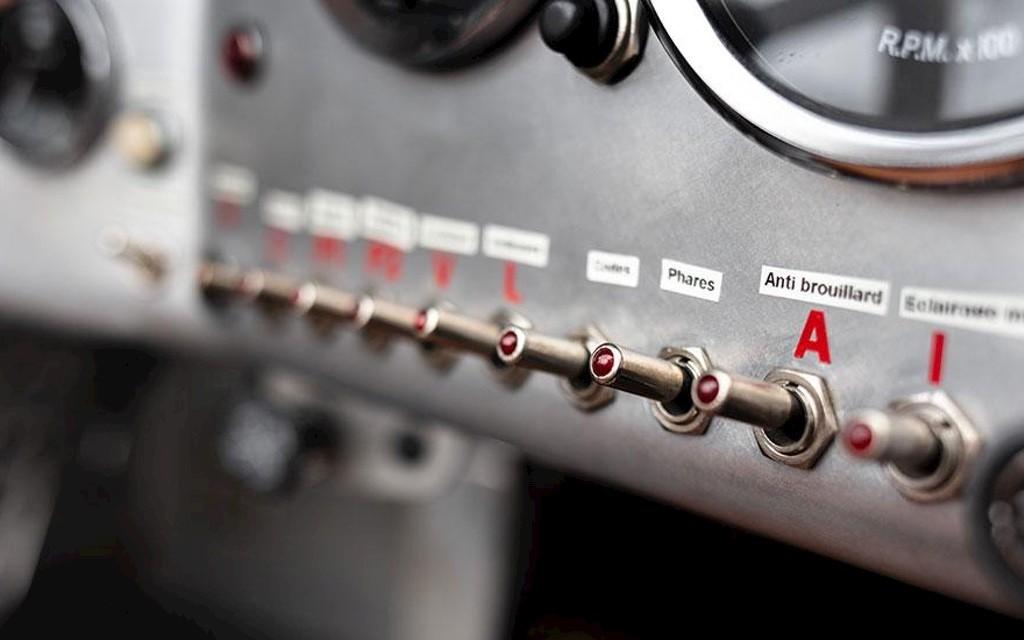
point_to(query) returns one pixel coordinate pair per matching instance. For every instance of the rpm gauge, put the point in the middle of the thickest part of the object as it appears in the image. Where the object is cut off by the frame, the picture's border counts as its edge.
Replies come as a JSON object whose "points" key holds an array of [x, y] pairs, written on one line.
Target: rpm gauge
{"points": [[898, 89]]}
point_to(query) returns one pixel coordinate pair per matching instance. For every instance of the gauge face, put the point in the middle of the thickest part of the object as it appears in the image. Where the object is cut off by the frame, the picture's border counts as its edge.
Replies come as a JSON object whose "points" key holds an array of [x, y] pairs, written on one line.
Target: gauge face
{"points": [[430, 32], [898, 90], [55, 78], [901, 65]]}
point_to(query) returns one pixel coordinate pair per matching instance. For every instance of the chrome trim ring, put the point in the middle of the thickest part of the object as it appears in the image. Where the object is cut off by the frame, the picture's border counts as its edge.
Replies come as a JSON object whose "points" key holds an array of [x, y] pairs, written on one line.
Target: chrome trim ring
{"points": [[689, 36]]}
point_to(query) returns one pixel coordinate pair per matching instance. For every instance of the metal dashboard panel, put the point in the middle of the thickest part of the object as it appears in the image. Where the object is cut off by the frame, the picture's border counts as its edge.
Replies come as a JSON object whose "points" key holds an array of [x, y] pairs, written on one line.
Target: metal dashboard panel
{"points": [[643, 168]]}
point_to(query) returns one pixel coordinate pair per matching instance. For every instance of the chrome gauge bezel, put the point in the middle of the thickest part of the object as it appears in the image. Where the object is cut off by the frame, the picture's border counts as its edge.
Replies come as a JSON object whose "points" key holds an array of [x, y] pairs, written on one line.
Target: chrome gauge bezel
{"points": [[966, 155], [92, 30]]}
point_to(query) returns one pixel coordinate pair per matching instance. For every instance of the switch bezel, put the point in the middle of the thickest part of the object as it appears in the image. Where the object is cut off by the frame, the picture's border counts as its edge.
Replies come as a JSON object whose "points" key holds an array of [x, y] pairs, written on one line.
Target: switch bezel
{"points": [[822, 424]]}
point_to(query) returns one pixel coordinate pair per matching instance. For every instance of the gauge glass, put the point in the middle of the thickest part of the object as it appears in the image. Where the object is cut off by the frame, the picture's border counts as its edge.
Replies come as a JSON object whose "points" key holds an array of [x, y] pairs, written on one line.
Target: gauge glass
{"points": [[902, 65]]}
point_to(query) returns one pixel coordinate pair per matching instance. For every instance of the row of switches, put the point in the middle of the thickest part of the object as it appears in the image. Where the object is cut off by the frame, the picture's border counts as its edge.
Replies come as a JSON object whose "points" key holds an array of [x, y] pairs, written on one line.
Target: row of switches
{"points": [[925, 442]]}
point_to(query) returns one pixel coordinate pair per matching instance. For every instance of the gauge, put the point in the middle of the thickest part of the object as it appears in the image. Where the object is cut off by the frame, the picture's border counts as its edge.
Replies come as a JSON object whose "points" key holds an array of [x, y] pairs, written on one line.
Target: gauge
{"points": [[56, 78], [899, 89], [437, 33], [997, 516]]}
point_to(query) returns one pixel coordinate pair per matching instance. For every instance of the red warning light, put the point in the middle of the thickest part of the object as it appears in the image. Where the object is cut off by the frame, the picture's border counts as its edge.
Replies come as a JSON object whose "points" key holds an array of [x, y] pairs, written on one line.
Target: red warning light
{"points": [[602, 362], [508, 343], [858, 438], [707, 389]]}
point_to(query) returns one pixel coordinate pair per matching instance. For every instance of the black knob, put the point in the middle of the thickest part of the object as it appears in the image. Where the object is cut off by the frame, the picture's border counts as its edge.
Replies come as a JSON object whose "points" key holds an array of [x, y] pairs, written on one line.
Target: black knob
{"points": [[584, 31]]}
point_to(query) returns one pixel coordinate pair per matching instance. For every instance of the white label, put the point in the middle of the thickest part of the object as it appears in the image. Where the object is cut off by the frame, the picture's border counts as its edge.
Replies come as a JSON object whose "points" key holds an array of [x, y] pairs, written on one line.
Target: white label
{"points": [[527, 247], [389, 223], [232, 184], [844, 292], [283, 210], [690, 280], [452, 236], [332, 215], [977, 311], [613, 268]]}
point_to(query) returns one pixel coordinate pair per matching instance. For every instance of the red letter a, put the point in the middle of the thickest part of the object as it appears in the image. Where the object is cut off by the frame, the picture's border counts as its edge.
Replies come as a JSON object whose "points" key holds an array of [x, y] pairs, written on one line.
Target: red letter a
{"points": [[814, 338]]}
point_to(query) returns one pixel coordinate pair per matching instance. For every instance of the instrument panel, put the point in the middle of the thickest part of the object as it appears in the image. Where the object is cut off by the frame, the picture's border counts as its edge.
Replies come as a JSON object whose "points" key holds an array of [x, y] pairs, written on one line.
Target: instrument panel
{"points": [[763, 266]]}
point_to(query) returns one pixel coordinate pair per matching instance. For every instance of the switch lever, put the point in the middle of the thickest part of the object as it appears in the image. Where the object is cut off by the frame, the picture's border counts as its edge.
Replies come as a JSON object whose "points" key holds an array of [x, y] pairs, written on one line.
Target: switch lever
{"points": [[791, 411], [557, 356], [456, 331], [566, 358], [653, 378], [925, 442], [755, 402], [903, 440]]}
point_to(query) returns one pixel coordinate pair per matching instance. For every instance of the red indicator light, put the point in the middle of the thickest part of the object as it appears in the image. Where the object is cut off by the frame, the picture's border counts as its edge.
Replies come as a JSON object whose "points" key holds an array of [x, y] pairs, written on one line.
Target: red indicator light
{"points": [[707, 389], [508, 343], [420, 324], [859, 437], [602, 362], [242, 53]]}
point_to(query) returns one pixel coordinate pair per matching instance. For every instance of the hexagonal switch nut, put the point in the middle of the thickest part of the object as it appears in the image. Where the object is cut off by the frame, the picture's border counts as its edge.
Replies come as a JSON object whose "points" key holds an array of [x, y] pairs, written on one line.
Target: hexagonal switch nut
{"points": [[801, 445], [684, 418]]}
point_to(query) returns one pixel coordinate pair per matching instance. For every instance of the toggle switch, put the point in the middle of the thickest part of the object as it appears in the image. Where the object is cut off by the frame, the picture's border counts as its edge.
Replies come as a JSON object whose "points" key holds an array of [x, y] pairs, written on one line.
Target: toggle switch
{"points": [[275, 292], [381, 318], [327, 307], [442, 328], [925, 442], [665, 380], [446, 328], [652, 378], [219, 281], [903, 440], [147, 260], [767, 405], [791, 411], [557, 356], [567, 358]]}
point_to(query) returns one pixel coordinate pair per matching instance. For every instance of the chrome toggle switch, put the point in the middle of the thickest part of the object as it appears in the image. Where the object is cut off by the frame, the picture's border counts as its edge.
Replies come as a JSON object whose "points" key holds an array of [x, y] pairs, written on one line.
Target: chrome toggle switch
{"points": [[275, 292], [456, 331], [625, 370], [925, 442], [665, 381], [441, 328], [791, 411], [767, 405], [220, 281], [327, 307], [557, 356], [903, 440], [567, 358], [381, 318]]}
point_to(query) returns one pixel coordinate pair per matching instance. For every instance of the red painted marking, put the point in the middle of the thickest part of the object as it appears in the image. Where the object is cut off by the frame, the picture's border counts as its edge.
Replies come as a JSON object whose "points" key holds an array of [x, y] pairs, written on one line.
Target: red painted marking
{"points": [[935, 367], [278, 242], [384, 260], [228, 213], [707, 389], [444, 267], [602, 361], [814, 338], [511, 292], [327, 250]]}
